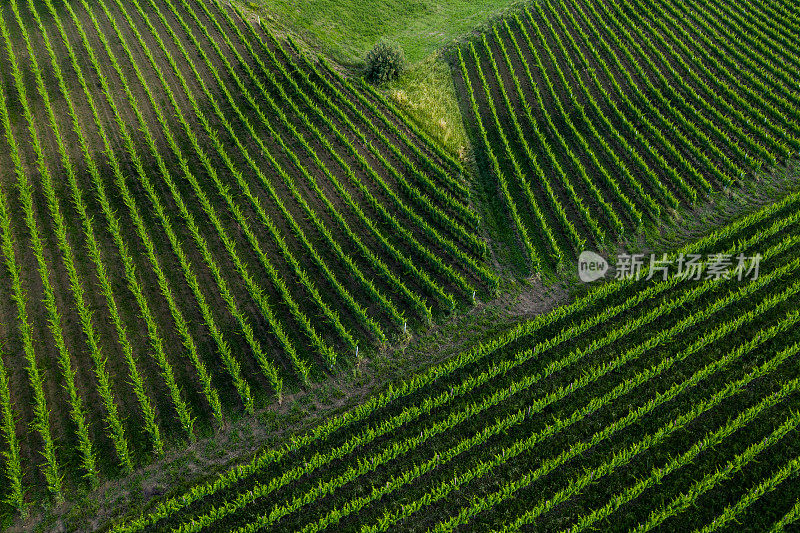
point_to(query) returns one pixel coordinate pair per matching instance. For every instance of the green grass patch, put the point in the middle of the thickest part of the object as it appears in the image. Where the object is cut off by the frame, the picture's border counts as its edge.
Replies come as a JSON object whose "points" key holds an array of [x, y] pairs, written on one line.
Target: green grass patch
{"points": [[347, 29], [425, 93]]}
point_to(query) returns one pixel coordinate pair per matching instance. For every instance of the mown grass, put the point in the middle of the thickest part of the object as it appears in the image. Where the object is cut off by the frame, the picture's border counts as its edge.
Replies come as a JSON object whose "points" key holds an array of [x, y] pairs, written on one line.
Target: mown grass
{"points": [[346, 29]]}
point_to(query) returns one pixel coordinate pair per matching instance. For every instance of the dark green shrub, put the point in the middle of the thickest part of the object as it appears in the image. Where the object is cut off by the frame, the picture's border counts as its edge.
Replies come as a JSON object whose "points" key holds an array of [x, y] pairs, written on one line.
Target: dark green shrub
{"points": [[384, 63]]}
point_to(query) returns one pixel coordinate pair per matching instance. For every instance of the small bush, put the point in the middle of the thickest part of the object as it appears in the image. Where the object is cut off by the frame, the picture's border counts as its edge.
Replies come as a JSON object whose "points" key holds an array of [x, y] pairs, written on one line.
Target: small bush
{"points": [[385, 62]]}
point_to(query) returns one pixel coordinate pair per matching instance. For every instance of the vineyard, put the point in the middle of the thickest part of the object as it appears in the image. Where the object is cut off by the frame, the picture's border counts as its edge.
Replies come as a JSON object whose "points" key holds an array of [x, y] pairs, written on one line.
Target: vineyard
{"points": [[621, 409], [204, 220], [196, 218], [593, 119]]}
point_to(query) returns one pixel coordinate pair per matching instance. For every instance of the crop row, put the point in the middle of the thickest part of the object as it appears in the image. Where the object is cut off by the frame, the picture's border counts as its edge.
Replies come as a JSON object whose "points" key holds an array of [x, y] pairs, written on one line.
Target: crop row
{"points": [[317, 457], [179, 263], [652, 106]]}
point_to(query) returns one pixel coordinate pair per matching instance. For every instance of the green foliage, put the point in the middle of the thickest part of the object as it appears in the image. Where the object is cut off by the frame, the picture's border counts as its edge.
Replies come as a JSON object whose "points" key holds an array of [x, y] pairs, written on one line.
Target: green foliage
{"points": [[384, 63]]}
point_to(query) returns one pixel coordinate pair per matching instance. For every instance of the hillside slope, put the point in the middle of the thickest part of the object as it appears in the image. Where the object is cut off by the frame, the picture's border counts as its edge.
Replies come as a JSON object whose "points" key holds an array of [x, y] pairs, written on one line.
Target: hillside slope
{"points": [[195, 219]]}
